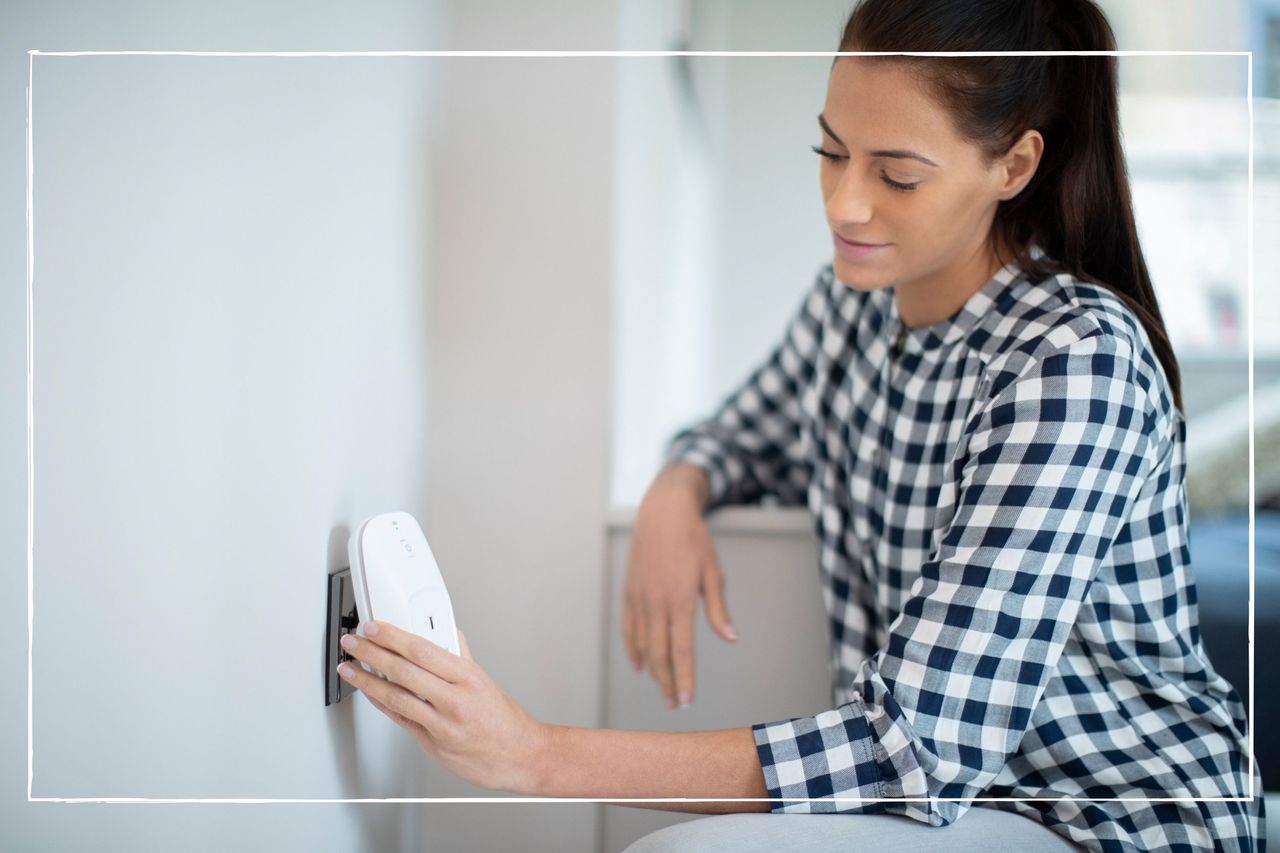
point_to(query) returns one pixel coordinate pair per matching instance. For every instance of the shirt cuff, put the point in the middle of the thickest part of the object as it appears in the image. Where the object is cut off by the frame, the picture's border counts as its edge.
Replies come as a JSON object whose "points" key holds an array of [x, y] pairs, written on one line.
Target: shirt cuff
{"points": [[821, 758], [721, 468]]}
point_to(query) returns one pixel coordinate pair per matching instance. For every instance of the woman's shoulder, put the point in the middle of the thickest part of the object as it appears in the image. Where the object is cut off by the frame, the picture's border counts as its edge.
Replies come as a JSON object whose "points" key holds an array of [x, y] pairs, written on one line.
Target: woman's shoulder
{"points": [[1061, 313], [1039, 315]]}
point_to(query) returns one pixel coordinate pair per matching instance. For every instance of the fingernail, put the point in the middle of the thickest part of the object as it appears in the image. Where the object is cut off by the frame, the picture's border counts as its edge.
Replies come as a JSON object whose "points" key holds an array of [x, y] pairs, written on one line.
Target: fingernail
{"points": [[730, 633], [348, 642], [671, 704], [370, 629], [635, 665], [684, 699], [345, 670]]}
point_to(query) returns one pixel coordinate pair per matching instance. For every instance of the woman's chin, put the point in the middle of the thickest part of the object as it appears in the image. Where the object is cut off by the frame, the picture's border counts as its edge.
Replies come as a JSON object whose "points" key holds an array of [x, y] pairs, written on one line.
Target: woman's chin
{"points": [[854, 277]]}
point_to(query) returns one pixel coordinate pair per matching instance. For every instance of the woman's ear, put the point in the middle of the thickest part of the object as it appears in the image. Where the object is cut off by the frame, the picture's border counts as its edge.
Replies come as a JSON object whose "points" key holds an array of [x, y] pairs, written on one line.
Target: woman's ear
{"points": [[1020, 163]]}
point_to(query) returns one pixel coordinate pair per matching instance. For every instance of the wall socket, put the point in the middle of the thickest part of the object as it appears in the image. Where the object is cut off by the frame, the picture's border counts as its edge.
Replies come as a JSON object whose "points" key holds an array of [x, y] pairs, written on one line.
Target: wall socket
{"points": [[341, 618]]}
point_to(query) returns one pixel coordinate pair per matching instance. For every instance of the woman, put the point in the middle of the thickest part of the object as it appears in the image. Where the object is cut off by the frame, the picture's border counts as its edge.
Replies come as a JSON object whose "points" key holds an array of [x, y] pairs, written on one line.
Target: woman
{"points": [[978, 401]]}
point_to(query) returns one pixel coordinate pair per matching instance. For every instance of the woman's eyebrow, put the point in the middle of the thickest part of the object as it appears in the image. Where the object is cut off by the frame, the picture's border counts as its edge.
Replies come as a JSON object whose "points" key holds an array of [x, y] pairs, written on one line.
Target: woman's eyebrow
{"points": [[895, 152]]}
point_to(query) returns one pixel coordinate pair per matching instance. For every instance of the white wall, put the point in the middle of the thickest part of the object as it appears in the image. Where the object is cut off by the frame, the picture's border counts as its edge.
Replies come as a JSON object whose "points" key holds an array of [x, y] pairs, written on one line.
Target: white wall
{"points": [[229, 361], [268, 303]]}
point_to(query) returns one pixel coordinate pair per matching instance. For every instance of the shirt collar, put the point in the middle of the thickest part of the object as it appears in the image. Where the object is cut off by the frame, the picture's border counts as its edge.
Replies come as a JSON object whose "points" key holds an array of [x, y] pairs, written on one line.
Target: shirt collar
{"points": [[953, 328]]}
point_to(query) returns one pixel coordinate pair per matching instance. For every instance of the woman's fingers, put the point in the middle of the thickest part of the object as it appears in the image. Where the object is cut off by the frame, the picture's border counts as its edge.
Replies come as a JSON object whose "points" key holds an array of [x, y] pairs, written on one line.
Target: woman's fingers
{"points": [[419, 732], [398, 719], [682, 655], [399, 670], [395, 718], [717, 612], [659, 653], [391, 697], [433, 658]]}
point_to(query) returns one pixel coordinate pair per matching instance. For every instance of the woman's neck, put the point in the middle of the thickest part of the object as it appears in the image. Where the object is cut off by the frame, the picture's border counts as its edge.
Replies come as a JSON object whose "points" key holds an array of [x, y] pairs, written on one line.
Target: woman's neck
{"points": [[935, 297]]}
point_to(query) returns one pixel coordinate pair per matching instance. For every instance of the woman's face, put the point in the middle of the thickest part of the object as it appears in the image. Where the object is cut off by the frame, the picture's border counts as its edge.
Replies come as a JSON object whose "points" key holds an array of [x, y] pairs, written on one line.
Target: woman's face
{"points": [[930, 213]]}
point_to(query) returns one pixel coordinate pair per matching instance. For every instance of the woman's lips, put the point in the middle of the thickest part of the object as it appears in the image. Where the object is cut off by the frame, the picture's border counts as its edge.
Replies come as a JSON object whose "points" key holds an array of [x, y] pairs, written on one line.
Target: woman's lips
{"points": [[856, 251]]}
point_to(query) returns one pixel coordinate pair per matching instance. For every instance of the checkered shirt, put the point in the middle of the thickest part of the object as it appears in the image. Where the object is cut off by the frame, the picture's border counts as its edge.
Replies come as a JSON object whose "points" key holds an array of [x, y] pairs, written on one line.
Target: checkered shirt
{"points": [[1001, 513]]}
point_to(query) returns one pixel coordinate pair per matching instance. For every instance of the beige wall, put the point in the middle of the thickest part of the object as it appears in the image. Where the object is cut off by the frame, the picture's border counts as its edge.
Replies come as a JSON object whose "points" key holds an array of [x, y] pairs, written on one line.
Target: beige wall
{"points": [[520, 348]]}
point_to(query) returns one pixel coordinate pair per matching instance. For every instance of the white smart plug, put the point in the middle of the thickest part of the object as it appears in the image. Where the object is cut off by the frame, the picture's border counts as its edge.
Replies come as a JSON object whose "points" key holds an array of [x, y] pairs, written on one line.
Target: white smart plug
{"points": [[396, 580]]}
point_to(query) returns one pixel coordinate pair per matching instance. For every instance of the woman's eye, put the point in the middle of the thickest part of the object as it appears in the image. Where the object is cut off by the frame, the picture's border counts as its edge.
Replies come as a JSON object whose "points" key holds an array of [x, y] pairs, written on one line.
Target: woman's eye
{"points": [[826, 154], [896, 185]]}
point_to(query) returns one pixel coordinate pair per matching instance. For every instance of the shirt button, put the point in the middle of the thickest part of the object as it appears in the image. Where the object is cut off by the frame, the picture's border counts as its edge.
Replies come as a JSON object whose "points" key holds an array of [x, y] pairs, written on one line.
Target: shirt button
{"points": [[875, 456]]}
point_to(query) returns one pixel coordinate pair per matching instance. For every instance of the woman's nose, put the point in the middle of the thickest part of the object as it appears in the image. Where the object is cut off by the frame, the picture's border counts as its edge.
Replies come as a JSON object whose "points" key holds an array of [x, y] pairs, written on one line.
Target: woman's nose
{"points": [[849, 200]]}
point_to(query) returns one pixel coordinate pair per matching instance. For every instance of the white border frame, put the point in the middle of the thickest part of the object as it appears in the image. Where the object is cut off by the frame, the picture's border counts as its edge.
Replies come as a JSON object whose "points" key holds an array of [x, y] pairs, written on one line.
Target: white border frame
{"points": [[32, 54]]}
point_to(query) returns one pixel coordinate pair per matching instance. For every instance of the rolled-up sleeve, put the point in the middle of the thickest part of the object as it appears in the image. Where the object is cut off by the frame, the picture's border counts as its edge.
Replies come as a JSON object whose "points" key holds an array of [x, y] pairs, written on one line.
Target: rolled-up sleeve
{"points": [[1050, 472], [752, 444]]}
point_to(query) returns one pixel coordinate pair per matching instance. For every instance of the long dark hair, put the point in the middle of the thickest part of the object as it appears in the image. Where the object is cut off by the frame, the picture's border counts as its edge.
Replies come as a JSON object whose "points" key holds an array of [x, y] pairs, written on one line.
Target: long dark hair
{"points": [[1078, 205]]}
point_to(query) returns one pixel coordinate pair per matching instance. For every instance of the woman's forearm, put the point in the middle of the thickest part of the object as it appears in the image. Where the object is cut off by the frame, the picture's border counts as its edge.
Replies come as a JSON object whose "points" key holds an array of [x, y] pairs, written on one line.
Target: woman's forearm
{"points": [[607, 763]]}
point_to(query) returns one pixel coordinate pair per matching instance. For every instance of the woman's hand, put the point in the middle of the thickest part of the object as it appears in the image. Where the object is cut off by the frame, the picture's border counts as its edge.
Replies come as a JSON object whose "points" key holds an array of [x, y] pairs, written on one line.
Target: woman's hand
{"points": [[672, 561], [451, 706]]}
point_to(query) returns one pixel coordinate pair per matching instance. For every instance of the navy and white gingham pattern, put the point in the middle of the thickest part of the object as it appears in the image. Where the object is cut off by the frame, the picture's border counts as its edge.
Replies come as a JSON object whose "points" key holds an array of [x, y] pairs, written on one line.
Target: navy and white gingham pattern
{"points": [[1001, 511]]}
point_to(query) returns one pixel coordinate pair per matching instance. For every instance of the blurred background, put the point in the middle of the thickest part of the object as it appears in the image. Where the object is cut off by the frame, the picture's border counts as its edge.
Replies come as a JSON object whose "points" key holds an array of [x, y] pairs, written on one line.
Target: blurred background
{"points": [[274, 296]]}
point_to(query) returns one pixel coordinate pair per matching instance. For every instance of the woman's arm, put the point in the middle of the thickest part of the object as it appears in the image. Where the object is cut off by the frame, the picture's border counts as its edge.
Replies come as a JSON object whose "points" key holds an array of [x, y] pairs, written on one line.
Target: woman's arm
{"points": [[605, 763], [469, 725]]}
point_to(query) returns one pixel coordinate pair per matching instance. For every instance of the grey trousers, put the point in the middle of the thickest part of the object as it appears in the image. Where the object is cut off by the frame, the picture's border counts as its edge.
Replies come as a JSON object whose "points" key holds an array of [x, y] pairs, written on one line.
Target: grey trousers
{"points": [[979, 830]]}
